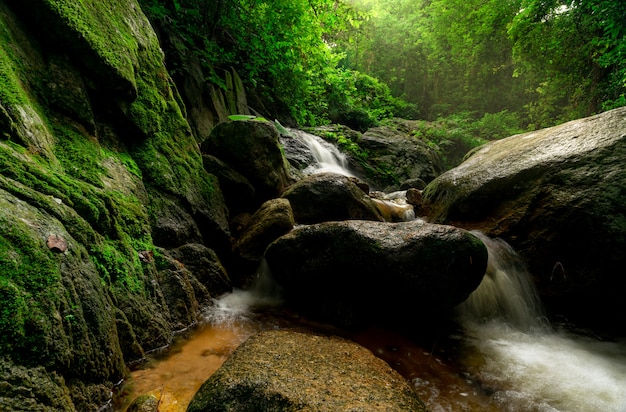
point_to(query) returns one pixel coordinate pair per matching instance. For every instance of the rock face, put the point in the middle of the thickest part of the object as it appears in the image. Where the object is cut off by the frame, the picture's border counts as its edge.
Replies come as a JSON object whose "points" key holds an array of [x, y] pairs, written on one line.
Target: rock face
{"points": [[100, 175], [291, 371], [558, 196], [357, 271], [328, 196]]}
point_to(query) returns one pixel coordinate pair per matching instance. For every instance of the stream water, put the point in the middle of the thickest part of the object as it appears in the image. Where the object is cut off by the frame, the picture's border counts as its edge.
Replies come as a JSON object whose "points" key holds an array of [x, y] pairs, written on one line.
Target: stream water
{"points": [[503, 354]]}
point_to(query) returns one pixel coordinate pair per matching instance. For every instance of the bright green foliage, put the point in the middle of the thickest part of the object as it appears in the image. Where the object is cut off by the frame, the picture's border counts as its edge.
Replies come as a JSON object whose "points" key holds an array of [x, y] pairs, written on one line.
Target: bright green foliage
{"points": [[446, 55], [542, 61], [360, 101], [284, 50], [455, 135], [573, 55]]}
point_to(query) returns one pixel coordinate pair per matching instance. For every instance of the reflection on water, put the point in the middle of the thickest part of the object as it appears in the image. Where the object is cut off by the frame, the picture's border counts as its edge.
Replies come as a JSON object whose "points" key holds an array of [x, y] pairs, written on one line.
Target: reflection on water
{"points": [[176, 378]]}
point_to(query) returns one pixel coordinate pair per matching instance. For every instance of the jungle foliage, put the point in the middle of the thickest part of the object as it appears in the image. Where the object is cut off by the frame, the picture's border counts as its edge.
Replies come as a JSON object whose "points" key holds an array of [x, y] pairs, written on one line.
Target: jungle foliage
{"points": [[539, 62]]}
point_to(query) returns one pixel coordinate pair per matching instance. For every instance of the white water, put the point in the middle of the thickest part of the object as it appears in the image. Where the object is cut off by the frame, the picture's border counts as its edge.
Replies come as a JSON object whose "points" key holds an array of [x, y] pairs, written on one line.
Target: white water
{"points": [[520, 361], [233, 308], [327, 156], [526, 363]]}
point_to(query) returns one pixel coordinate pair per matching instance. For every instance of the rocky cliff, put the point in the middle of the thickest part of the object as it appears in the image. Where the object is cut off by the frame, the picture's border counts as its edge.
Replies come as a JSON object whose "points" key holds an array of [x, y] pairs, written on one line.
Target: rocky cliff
{"points": [[104, 202]]}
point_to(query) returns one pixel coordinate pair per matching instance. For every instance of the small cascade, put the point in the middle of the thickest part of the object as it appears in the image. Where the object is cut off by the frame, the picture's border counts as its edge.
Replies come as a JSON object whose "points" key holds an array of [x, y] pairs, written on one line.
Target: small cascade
{"points": [[522, 360], [506, 292], [327, 156], [394, 206], [238, 306]]}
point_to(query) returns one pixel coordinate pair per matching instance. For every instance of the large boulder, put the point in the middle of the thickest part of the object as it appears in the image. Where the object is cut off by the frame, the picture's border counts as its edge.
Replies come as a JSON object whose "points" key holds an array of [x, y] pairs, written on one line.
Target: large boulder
{"points": [[558, 196], [329, 196], [393, 148], [292, 371], [252, 148], [356, 272]]}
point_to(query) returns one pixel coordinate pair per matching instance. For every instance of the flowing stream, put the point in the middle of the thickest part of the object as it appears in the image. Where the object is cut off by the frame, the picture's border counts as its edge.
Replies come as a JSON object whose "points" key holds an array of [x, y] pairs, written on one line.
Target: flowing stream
{"points": [[328, 158], [523, 361], [504, 356]]}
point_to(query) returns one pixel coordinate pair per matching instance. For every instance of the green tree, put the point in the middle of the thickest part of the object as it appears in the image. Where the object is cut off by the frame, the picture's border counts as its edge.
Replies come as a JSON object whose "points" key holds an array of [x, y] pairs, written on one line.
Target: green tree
{"points": [[572, 52], [447, 55]]}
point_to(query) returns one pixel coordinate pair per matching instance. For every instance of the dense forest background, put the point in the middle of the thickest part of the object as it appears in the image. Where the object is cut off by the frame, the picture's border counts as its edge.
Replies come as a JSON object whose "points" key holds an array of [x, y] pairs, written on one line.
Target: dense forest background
{"points": [[489, 67]]}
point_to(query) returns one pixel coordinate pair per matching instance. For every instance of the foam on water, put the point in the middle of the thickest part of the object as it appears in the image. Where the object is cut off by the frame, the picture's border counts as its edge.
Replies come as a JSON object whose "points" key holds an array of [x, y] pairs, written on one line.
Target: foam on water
{"points": [[549, 371], [528, 364], [237, 306]]}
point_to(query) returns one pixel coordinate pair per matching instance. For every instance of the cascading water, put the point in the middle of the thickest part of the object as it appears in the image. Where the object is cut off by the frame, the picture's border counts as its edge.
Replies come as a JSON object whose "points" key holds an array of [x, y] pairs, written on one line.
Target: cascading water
{"points": [[506, 292], [328, 158], [526, 363]]}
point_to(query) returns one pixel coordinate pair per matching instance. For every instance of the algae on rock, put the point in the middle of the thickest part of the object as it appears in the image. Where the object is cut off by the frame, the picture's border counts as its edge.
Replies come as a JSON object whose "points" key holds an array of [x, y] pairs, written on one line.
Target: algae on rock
{"points": [[93, 139]]}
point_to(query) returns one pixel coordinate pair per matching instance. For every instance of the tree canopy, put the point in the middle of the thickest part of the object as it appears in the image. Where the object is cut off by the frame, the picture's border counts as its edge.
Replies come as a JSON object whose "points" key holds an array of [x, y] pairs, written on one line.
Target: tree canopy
{"points": [[358, 61]]}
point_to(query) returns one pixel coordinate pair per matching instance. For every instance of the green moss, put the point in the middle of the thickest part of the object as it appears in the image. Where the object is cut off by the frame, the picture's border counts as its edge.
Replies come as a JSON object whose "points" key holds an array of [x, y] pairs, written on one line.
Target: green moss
{"points": [[11, 91], [13, 311], [26, 260], [104, 29], [28, 269], [81, 158]]}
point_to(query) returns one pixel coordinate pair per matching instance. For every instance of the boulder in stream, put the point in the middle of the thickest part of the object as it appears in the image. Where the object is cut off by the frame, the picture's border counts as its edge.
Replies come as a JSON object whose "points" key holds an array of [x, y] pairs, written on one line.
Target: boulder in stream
{"points": [[356, 272], [558, 196], [329, 196], [292, 371], [273, 219]]}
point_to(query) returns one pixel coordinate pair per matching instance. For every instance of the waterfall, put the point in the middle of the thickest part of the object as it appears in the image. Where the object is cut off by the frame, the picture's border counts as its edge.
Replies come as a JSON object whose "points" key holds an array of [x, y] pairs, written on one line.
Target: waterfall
{"points": [[327, 156], [506, 292], [527, 364]]}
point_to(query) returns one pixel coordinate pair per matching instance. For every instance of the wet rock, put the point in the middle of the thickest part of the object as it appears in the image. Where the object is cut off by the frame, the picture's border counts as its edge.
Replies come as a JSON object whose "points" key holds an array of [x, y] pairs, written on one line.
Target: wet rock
{"points": [[329, 196], [558, 196], [357, 272], [204, 264], [291, 371], [297, 153], [392, 147], [414, 197], [273, 219], [252, 148]]}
